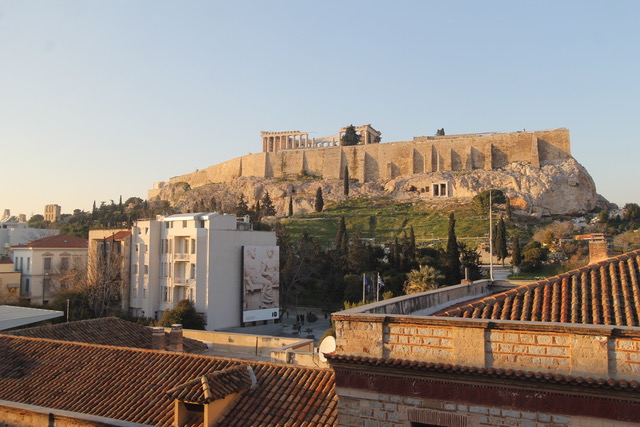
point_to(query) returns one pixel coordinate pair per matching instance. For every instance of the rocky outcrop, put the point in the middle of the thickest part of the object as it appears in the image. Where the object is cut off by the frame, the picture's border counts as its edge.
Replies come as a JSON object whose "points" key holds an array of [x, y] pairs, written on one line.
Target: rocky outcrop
{"points": [[558, 189]]}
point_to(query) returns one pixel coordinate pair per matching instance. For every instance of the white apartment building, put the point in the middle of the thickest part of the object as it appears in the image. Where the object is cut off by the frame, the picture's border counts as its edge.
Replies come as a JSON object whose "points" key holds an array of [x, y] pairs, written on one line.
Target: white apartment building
{"points": [[196, 256]]}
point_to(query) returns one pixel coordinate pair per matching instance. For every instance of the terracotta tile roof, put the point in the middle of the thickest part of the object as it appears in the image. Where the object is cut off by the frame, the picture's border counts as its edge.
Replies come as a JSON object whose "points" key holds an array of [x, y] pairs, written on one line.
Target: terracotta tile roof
{"points": [[132, 384], [120, 235], [5, 260], [472, 371], [215, 385], [57, 241], [603, 293], [105, 331]]}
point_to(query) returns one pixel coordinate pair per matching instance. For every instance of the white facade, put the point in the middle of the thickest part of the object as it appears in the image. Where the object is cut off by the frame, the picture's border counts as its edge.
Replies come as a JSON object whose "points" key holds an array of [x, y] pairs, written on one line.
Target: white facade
{"points": [[18, 233], [191, 256], [40, 263]]}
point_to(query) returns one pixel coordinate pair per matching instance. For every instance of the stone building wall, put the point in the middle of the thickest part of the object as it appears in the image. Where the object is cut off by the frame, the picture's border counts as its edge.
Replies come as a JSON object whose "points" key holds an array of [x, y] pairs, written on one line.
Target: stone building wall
{"points": [[361, 407], [386, 161], [596, 351]]}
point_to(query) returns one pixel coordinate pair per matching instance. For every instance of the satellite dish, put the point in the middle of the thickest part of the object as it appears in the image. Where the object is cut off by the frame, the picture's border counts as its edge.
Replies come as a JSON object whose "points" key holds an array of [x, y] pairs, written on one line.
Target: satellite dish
{"points": [[328, 345]]}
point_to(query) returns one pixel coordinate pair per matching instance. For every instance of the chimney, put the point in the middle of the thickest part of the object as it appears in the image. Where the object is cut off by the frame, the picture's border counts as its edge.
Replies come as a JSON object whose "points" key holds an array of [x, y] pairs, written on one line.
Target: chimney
{"points": [[175, 338], [597, 250], [157, 338]]}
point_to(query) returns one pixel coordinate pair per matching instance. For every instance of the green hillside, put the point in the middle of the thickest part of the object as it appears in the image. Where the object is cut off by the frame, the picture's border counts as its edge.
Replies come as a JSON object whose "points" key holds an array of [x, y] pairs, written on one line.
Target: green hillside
{"points": [[383, 219]]}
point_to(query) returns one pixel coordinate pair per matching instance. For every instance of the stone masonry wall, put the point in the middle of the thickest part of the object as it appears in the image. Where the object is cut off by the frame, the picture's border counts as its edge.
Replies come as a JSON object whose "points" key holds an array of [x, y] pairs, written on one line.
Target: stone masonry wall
{"points": [[357, 408], [521, 350], [386, 161]]}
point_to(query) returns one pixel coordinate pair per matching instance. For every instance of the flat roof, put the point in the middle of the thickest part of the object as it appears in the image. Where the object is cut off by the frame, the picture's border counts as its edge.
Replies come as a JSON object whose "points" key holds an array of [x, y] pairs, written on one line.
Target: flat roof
{"points": [[12, 316]]}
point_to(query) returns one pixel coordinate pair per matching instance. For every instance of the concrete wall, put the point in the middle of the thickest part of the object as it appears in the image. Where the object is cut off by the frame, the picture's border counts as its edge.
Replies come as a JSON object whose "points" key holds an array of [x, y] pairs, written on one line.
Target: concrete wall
{"points": [[260, 345], [387, 160]]}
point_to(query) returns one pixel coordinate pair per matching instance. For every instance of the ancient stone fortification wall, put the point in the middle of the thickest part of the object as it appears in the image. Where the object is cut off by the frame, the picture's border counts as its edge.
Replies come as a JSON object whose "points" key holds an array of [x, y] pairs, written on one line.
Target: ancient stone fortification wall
{"points": [[388, 160]]}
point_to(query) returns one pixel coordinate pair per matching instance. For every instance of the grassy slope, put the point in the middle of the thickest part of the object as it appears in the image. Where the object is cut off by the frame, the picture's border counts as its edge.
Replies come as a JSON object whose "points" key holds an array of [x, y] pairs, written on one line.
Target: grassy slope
{"points": [[383, 219]]}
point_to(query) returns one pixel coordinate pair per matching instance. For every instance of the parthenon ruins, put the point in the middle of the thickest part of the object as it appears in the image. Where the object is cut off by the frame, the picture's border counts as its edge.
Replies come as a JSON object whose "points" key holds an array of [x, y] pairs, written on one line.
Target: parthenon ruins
{"points": [[273, 142]]}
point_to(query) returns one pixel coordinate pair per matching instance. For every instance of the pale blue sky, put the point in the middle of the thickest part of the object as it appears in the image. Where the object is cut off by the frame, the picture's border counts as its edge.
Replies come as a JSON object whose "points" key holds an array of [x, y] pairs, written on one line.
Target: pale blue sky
{"points": [[101, 99]]}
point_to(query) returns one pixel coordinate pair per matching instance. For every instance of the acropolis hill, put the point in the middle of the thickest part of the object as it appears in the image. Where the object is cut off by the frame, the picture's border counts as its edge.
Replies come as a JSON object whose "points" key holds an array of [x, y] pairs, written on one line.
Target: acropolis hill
{"points": [[526, 165]]}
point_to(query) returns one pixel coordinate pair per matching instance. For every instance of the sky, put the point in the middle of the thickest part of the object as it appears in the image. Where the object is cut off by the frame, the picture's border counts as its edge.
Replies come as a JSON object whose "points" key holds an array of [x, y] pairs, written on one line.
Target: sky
{"points": [[100, 99]]}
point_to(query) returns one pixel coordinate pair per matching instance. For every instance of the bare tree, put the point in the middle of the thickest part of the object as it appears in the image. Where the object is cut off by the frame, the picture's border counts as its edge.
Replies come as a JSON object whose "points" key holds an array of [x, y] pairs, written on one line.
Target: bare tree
{"points": [[105, 277]]}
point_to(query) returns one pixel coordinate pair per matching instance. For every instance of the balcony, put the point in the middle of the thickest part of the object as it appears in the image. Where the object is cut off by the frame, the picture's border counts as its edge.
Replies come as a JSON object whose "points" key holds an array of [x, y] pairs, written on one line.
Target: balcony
{"points": [[181, 256], [181, 281]]}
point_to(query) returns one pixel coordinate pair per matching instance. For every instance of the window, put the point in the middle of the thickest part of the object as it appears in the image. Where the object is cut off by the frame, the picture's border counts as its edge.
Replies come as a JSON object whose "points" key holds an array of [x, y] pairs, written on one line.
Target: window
{"points": [[47, 264], [201, 223], [166, 224], [146, 269], [146, 230], [64, 263], [193, 246], [184, 224], [193, 271], [135, 268], [26, 285], [28, 265], [165, 294]]}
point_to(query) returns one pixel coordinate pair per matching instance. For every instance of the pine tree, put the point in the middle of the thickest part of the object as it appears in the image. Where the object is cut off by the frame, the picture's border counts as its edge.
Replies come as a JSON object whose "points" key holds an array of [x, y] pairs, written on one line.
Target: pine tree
{"points": [[267, 205], [453, 274], [346, 181], [241, 207], [319, 203]]}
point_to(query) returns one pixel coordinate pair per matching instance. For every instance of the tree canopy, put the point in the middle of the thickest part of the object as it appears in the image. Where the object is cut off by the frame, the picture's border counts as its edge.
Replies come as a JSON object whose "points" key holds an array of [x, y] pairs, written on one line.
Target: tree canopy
{"points": [[350, 137]]}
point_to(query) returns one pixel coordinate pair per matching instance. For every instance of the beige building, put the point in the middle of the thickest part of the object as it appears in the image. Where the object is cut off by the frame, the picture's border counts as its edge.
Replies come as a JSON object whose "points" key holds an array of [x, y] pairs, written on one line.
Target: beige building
{"points": [[52, 213], [109, 257], [197, 256], [9, 282]]}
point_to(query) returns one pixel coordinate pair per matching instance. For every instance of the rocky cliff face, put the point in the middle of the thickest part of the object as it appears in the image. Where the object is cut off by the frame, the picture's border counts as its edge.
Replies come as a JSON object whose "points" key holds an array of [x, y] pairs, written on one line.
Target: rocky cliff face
{"points": [[562, 189]]}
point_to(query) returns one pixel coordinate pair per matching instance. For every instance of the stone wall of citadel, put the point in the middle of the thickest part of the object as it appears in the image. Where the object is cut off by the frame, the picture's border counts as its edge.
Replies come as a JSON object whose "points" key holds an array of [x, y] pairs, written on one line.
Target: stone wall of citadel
{"points": [[386, 161]]}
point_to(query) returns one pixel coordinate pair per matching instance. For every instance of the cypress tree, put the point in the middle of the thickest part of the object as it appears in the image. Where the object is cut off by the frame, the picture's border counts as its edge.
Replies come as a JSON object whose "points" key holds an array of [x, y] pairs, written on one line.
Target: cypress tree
{"points": [[346, 181], [452, 256], [500, 240], [516, 253], [319, 203]]}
